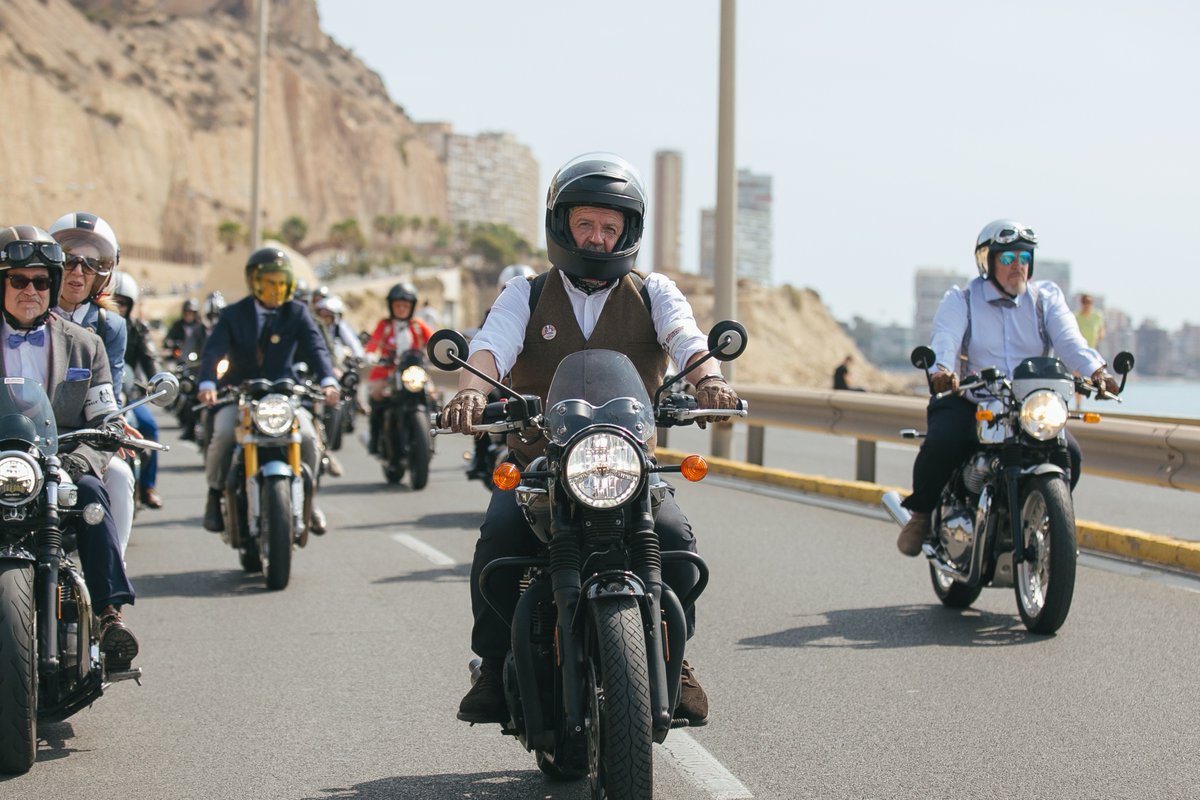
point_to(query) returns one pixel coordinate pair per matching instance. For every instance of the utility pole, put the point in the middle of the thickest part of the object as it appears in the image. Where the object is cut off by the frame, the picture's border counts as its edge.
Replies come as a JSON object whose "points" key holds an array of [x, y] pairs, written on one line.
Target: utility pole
{"points": [[260, 99], [725, 276]]}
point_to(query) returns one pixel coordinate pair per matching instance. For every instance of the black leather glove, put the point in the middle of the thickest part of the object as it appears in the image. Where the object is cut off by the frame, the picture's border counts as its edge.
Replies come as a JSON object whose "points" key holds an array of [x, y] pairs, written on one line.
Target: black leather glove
{"points": [[464, 410], [944, 382], [75, 465], [1107, 383], [713, 392]]}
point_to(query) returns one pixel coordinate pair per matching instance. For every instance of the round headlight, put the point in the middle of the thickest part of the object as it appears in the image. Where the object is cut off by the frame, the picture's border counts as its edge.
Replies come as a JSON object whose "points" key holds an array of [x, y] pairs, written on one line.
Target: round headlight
{"points": [[20, 479], [414, 379], [273, 415], [1043, 414], [603, 470]]}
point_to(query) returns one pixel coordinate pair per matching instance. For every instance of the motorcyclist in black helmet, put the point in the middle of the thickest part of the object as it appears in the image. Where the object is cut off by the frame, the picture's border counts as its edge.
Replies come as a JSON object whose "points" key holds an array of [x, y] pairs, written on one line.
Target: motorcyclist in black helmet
{"points": [[182, 328], [590, 298], [397, 332]]}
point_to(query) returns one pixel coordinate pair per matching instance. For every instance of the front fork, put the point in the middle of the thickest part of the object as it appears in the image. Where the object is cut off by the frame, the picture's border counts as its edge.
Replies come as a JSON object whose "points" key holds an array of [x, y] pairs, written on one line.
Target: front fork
{"points": [[254, 480], [49, 559]]}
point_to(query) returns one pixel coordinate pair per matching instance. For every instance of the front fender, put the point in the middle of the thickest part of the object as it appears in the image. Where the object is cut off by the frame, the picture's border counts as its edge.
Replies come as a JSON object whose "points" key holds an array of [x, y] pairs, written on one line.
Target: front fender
{"points": [[14, 552], [273, 468], [1045, 468]]}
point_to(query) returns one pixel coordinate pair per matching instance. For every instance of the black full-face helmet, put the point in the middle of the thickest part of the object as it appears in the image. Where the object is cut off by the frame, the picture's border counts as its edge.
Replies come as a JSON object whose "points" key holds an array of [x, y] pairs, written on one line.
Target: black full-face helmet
{"points": [[602, 180], [402, 291], [269, 259], [30, 246], [999, 236]]}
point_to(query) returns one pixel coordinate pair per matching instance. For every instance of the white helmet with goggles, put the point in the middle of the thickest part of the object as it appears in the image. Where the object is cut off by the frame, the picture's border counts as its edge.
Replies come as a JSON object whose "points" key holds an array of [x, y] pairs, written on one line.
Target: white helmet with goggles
{"points": [[999, 236]]}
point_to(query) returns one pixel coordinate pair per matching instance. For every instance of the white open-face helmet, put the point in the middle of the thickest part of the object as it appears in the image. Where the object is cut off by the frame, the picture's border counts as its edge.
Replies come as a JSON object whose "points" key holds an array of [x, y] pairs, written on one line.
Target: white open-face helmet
{"points": [[80, 227], [1000, 235]]}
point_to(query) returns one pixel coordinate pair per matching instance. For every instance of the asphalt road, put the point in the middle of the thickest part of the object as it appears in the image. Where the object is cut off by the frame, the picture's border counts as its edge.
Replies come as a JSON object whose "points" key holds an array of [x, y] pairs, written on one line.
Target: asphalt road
{"points": [[832, 669]]}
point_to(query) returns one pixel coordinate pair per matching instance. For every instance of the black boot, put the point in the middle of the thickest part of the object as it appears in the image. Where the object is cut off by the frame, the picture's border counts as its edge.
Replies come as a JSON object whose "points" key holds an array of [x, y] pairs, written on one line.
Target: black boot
{"points": [[376, 425], [485, 702], [213, 519]]}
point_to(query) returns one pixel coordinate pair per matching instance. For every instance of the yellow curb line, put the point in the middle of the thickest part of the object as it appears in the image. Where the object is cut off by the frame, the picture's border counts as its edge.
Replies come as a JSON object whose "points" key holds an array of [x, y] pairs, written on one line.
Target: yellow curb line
{"points": [[1124, 542]]}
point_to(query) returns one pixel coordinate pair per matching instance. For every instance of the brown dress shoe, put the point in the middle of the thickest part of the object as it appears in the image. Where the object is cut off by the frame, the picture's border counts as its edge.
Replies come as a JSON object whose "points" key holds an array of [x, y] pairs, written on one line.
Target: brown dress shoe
{"points": [[150, 498], [693, 701], [914, 534], [117, 642]]}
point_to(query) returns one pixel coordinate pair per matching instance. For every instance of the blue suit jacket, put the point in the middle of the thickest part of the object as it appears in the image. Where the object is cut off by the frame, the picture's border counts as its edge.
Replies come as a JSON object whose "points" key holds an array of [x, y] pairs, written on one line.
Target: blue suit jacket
{"points": [[293, 333]]}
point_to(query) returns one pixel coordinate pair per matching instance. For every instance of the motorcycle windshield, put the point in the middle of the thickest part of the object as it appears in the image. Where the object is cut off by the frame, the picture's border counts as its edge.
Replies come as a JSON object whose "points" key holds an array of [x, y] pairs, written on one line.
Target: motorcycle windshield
{"points": [[597, 387], [26, 416], [1041, 368]]}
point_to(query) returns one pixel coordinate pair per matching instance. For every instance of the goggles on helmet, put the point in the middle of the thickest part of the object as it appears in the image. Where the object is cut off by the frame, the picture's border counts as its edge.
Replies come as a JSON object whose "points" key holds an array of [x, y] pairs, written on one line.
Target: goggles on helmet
{"points": [[20, 254], [1010, 235]]}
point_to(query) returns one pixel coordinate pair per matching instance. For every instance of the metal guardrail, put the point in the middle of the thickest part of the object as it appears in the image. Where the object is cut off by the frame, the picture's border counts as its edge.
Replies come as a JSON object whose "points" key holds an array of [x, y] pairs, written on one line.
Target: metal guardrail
{"points": [[1157, 451]]}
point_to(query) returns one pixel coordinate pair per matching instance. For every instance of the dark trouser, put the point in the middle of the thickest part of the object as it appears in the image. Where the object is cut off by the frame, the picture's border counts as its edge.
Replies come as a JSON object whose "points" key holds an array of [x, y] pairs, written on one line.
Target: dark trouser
{"points": [[100, 550], [505, 533], [148, 428], [949, 440]]}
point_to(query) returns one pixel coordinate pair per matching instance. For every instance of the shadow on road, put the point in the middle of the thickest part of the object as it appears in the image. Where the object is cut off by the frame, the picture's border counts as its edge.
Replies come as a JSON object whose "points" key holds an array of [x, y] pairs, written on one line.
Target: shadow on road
{"points": [[200, 583], [901, 626], [457, 573], [335, 486], [477, 786], [462, 520], [53, 741], [166, 465]]}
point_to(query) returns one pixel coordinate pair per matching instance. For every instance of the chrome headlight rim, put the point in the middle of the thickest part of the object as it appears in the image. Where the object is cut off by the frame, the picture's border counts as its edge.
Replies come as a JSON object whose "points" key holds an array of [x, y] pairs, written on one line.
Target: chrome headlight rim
{"points": [[1043, 414], [581, 462], [21, 479], [414, 378], [273, 414]]}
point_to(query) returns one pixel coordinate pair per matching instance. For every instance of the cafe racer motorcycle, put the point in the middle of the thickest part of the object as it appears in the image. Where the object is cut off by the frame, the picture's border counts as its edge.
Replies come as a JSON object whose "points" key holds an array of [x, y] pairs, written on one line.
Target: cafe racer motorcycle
{"points": [[1005, 518], [405, 443], [597, 636]]}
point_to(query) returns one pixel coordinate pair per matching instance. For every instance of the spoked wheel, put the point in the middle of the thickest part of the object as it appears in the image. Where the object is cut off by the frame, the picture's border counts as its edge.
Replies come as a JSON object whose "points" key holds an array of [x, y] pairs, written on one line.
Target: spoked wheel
{"points": [[620, 735], [18, 669], [1045, 583], [952, 593], [277, 538]]}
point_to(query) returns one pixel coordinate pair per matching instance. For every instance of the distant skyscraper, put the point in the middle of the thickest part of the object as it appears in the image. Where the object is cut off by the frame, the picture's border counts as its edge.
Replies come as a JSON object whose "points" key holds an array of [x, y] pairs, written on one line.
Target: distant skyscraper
{"points": [[1057, 271], [929, 287], [489, 178], [668, 209], [754, 232]]}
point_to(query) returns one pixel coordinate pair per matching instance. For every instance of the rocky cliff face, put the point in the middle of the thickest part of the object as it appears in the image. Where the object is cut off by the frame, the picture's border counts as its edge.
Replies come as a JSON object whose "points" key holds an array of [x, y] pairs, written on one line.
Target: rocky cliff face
{"points": [[143, 112]]}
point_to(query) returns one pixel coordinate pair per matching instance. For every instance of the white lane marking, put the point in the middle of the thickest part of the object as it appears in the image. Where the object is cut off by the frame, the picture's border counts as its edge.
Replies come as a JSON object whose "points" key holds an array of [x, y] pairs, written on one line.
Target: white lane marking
{"points": [[432, 554], [699, 766]]}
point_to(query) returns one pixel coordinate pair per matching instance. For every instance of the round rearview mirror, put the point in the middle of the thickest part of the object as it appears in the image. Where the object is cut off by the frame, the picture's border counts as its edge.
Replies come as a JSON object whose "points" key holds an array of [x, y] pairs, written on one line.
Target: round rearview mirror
{"points": [[1123, 363], [164, 387], [922, 357], [727, 340], [445, 346]]}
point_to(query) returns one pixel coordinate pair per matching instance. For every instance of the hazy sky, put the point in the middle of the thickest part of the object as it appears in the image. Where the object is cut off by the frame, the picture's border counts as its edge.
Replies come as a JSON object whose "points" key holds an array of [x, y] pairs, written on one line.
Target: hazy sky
{"points": [[893, 131]]}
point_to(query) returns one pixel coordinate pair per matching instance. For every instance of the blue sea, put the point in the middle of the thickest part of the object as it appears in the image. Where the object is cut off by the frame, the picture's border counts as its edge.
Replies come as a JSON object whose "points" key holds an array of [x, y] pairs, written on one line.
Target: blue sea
{"points": [[1160, 397]]}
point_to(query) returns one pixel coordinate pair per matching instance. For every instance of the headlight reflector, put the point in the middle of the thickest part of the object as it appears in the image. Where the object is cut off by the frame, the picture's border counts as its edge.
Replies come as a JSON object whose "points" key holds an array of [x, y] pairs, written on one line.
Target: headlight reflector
{"points": [[1043, 414], [20, 479], [273, 415], [603, 470], [414, 379]]}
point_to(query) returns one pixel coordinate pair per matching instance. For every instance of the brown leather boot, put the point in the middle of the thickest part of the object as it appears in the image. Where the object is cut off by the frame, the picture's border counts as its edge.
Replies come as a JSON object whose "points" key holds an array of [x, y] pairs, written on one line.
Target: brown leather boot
{"points": [[693, 700], [117, 642], [914, 534]]}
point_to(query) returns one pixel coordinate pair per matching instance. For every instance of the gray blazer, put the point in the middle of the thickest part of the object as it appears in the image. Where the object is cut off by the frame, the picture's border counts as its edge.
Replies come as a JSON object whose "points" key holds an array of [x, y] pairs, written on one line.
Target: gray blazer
{"points": [[80, 402]]}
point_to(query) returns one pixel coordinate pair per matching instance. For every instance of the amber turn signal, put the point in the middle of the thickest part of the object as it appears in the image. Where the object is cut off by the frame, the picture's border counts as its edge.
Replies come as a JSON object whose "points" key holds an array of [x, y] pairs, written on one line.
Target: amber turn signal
{"points": [[694, 468], [983, 415], [506, 476], [1091, 416]]}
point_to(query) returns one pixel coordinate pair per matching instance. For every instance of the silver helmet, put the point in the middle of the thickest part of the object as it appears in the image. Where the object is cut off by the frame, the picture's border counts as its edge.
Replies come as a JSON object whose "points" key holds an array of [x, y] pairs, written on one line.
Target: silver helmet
{"points": [[1002, 234]]}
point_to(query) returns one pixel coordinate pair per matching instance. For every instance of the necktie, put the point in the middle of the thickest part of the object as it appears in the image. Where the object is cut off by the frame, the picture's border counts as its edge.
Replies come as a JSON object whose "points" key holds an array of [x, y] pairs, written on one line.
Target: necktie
{"points": [[264, 336], [37, 337]]}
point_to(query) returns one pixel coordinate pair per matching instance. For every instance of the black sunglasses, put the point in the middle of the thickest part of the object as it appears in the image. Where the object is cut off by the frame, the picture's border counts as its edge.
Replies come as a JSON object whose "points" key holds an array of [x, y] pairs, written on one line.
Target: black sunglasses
{"points": [[19, 282], [19, 254], [94, 266]]}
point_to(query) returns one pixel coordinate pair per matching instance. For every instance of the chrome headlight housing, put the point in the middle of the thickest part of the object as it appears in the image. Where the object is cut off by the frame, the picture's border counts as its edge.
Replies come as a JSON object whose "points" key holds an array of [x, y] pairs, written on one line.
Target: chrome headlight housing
{"points": [[20, 479], [273, 415], [414, 378], [1043, 414], [603, 470]]}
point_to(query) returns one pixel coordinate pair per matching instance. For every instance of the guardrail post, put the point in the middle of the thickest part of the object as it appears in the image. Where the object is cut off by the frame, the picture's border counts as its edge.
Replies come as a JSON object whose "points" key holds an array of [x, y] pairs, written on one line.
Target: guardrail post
{"points": [[755, 438], [864, 460]]}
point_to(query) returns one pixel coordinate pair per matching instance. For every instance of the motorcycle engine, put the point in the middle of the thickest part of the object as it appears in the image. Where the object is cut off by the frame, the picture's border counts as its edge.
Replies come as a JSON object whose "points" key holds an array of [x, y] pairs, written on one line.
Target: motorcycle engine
{"points": [[977, 471], [956, 527]]}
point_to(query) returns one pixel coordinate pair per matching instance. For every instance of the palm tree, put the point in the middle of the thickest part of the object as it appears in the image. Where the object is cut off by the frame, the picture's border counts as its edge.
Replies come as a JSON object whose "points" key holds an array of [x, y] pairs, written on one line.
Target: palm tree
{"points": [[231, 233], [293, 231]]}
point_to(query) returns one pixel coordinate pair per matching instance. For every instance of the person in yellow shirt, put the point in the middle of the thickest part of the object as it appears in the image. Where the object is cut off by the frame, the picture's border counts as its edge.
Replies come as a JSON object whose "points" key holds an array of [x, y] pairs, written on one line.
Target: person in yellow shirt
{"points": [[1091, 325]]}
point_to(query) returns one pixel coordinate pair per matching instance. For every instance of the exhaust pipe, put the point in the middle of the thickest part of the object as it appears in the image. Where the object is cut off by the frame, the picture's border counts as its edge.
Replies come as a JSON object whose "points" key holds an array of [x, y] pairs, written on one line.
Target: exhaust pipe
{"points": [[891, 502]]}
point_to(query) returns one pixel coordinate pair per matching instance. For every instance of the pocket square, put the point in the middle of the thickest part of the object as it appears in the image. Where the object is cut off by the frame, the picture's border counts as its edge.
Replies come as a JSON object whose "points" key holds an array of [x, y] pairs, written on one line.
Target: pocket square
{"points": [[78, 374]]}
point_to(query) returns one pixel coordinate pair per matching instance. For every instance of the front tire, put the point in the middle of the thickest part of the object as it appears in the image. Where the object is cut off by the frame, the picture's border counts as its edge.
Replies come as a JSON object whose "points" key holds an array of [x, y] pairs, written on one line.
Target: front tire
{"points": [[18, 669], [277, 538], [420, 449], [620, 735], [1045, 584]]}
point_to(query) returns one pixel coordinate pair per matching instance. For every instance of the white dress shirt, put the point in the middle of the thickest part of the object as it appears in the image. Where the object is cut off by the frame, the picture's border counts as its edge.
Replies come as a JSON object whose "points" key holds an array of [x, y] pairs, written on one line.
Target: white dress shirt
{"points": [[503, 332], [26, 360]]}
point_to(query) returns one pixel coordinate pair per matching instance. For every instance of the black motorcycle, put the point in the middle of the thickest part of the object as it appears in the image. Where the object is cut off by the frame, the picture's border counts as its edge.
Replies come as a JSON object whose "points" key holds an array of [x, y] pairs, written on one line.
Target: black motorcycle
{"points": [[405, 444], [597, 636], [50, 660], [339, 418], [1005, 517]]}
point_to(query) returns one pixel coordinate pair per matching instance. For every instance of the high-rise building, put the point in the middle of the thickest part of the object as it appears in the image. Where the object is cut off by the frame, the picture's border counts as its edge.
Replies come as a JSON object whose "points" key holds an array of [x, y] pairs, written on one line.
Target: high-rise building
{"points": [[1057, 271], [929, 287], [490, 178], [1153, 350], [754, 232], [667, 202]]}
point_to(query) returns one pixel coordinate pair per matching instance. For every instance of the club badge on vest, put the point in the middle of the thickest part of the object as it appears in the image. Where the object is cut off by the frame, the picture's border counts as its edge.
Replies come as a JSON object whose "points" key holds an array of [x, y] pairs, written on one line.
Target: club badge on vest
{"points": [[549, 332]]}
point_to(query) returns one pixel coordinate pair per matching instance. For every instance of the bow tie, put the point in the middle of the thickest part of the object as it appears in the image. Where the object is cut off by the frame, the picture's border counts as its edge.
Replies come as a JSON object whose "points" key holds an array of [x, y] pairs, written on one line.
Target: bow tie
{"points": [[1005, 302], [37, 338]]}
